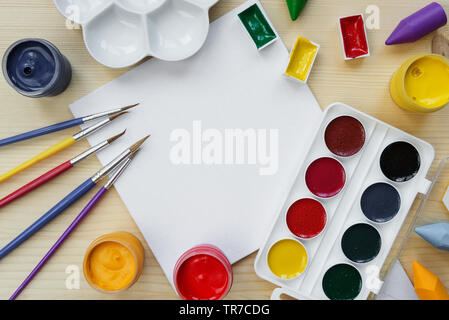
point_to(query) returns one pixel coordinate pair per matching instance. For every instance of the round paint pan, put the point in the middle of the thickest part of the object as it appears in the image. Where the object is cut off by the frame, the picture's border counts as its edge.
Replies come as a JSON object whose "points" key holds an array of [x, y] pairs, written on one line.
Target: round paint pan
{"points": [[344, 136], [287, 259], [325, 177], [380, 202], [361, 243], [400, 161], [306, 218], [342, 282]]}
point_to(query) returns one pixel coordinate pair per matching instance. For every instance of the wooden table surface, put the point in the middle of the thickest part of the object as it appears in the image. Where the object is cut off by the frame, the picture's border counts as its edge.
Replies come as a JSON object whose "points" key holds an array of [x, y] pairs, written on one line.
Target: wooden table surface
{"points": [[362, 83]]}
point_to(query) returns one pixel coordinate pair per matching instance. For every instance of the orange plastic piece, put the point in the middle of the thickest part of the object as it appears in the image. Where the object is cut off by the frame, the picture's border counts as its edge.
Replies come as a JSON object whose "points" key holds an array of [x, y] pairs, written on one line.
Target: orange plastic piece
{"points": [[427, 285]]}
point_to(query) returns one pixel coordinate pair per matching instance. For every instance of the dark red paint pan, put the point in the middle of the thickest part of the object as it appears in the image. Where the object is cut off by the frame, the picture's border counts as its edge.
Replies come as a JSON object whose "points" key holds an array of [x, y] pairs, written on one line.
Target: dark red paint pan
{"points": [[344, 136], [325, 177], [353, 36], [306, 218]]}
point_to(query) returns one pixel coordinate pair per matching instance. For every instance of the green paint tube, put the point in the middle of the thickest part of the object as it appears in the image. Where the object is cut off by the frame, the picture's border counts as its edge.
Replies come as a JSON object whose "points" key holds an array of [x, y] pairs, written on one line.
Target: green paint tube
{"points": [[295, 7]]}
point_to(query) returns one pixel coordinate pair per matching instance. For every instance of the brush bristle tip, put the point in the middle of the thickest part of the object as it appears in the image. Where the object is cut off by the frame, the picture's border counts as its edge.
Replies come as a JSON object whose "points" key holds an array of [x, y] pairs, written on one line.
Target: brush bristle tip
{"points": [[115, 116], [138, 144], [130, 106], [112, 139]]}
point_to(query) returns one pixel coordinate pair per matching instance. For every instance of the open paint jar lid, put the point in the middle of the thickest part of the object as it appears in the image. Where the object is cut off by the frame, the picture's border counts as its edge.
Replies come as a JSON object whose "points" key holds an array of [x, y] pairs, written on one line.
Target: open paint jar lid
{"points": [[113, 262], [203, 273], [36, 68]]}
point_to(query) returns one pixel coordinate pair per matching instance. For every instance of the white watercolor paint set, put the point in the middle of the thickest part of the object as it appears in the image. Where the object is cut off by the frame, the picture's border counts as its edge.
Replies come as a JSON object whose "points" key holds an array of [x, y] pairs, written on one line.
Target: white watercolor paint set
{"points": [[331, 251]]}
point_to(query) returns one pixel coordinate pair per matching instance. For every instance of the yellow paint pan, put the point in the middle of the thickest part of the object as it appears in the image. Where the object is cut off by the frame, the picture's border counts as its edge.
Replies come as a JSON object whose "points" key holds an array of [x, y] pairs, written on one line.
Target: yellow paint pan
{"points": [[302, 58], [287, 258]]}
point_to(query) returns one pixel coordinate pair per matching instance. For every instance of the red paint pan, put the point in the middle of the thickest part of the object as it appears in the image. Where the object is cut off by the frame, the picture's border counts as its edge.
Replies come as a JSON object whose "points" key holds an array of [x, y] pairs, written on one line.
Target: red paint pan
{"points": [[353, 37], [306, 218], [345, 136], [325, 177]]}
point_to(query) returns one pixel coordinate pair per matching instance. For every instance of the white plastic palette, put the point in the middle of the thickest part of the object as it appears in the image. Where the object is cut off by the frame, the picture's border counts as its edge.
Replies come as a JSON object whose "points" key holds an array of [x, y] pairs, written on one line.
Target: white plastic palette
{"points": [[119, 33], [344, 210]]}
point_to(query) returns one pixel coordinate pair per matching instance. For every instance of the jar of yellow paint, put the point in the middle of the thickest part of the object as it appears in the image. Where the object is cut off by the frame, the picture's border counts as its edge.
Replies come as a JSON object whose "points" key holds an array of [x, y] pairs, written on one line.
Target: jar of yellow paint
{"points": [[113, 262], [421, 84]]}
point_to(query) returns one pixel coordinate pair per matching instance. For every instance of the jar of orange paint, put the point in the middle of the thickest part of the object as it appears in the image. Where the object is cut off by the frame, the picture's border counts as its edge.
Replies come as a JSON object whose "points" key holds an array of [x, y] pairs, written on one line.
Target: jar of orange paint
{"points": [[113, 262], [203, 273], [421, 84]]}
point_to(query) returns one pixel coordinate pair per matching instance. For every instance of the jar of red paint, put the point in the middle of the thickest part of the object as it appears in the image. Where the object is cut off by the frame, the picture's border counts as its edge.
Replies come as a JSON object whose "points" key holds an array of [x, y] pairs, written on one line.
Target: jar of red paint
{"points": [[203, 273]]}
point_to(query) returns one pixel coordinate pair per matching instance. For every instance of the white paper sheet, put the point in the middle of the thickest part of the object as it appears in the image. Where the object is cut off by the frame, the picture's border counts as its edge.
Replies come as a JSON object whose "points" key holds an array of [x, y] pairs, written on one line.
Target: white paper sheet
{"points": [[397, 285], [227, 85]]}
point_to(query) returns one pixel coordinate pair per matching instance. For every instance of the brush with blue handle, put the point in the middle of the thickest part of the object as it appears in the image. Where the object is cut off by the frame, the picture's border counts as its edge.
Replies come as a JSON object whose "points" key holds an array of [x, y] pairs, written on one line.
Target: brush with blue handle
{"points": [[61, 126]]}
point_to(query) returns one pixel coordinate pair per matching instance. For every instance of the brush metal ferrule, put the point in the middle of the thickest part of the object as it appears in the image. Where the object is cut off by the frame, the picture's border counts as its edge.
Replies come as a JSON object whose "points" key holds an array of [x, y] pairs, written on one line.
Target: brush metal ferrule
{"points": [[117, 173], [110, 166], [101, 114], [84, 133], [107, 113], [89, 151]]}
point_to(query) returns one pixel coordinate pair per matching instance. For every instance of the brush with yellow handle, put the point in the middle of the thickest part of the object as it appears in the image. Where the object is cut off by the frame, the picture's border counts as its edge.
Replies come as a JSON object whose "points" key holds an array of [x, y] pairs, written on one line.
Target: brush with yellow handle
{"points": [[59, 147]]}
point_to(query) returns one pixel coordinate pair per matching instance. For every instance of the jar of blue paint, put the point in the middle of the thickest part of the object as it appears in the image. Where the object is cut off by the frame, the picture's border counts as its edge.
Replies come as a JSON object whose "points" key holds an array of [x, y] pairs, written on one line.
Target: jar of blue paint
{"points": [[36, 68]]}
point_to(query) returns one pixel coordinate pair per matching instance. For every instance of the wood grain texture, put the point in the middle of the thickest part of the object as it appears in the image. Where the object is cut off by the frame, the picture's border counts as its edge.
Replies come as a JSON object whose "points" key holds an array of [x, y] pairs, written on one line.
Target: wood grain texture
{"points": [[440, 43], [362, 83]]}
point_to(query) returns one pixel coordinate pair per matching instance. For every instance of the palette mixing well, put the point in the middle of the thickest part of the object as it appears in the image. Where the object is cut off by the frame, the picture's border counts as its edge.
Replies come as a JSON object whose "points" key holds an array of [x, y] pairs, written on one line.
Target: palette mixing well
{"points": [[119, 33], [366, 175]]}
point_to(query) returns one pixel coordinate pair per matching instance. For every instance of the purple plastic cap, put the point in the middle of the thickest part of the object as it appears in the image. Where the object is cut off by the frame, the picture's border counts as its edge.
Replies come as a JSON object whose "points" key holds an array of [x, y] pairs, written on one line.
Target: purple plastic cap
{"points": [[419, 24]]}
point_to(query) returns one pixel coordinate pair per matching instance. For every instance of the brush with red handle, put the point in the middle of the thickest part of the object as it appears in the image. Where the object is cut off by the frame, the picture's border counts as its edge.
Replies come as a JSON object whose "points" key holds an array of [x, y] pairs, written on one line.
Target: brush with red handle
{"points": [[53, 173]]}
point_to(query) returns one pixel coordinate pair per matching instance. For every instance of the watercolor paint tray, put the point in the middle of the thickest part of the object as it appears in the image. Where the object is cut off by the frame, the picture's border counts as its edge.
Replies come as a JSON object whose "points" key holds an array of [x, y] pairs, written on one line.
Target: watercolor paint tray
{"points": [[344, 209], [119, 33]]}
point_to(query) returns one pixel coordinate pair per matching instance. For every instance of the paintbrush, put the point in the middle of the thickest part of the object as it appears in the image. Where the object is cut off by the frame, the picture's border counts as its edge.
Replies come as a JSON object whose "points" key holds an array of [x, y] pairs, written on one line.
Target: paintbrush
{"points": [[59, 146], [62, 126], [53, 173], [75, 223], [70, 199]]}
